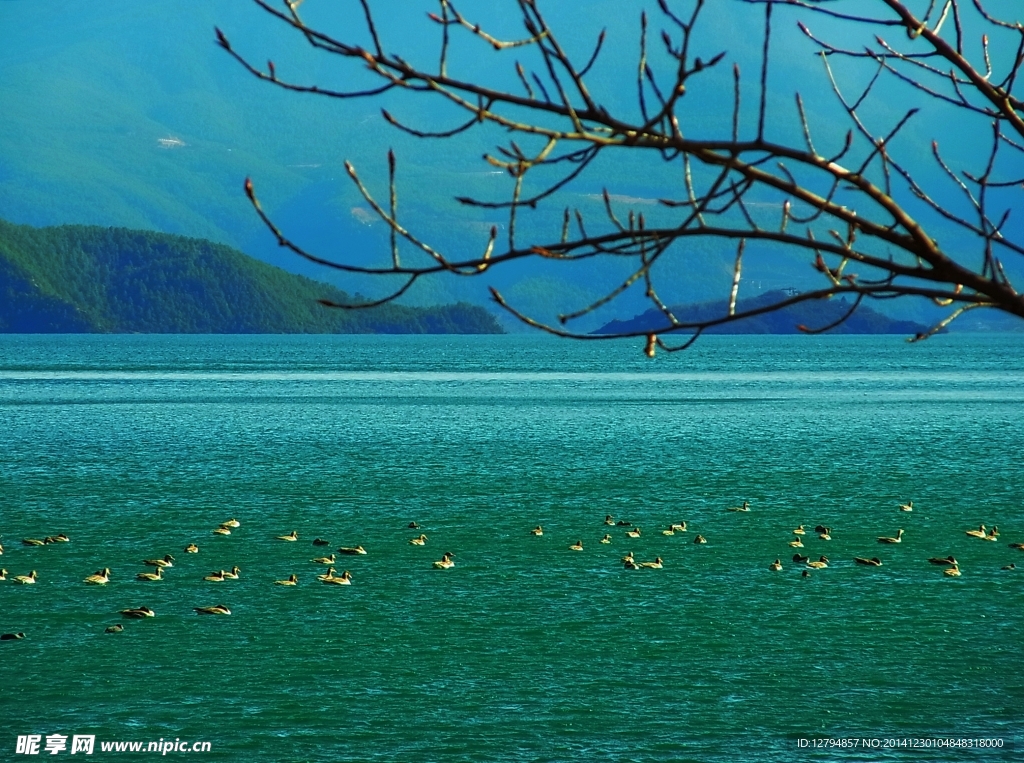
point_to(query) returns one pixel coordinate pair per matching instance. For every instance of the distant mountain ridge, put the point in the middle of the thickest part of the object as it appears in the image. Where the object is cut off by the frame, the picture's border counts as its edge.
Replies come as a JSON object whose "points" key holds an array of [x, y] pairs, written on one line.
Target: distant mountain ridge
{"points": [[81, 279], [812, 314]]}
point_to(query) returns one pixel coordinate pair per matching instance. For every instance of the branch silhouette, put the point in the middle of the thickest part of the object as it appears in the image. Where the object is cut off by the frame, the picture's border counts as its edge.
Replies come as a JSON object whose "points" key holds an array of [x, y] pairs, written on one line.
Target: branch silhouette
{"points": [[872, 230]]}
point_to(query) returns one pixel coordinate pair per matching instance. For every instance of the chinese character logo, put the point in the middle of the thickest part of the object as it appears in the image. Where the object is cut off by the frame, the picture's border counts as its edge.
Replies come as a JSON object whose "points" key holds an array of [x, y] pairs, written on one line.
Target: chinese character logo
{"points": [[28, 745], [55, 743], [80, 743]]}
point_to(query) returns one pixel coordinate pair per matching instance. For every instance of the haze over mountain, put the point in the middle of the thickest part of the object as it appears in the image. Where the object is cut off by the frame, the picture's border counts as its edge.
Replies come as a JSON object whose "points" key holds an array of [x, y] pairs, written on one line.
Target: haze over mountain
{"points": [[127, 114], [814, 315]]}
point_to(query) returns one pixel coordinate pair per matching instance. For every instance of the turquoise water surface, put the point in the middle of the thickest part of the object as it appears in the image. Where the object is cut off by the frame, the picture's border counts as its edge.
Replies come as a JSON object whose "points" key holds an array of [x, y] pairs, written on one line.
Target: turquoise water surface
{"points": [[525, 651]]}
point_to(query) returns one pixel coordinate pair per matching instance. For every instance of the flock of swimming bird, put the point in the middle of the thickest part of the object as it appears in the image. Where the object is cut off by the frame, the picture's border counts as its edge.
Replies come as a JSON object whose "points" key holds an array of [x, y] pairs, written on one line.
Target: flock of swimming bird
{"points": [[824, 533], [158, 565], [629, 562]]}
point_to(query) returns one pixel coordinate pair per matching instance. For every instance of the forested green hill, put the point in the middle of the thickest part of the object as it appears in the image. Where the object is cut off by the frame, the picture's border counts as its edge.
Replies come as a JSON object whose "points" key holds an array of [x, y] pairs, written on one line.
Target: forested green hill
{"points": [[76, 278]]}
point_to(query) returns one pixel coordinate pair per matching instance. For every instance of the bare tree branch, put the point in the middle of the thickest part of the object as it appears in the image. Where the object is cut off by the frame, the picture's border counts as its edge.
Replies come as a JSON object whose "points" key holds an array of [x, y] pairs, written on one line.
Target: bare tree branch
{"points": [[559, 129]]}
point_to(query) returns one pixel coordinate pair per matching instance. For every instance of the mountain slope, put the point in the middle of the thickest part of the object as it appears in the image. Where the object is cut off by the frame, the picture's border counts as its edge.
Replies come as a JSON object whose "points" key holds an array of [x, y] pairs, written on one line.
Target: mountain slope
{"points": [[89, 279], [812, 314]]}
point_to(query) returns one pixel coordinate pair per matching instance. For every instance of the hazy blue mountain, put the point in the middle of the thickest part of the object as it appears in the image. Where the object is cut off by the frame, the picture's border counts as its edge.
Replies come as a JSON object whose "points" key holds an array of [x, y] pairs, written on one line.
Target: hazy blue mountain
{"points": [[812, 314], [73, 278]]}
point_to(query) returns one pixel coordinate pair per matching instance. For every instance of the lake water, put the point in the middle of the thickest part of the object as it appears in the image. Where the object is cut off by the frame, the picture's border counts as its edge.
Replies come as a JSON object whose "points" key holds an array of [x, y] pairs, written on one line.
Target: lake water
{"points": [[524, 651]]}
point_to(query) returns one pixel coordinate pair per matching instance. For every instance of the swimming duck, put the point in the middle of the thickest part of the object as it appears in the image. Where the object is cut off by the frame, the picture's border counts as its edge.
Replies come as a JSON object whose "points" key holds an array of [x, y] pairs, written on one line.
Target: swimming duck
{"points": [[158, 575], [324, 559], [634, 533], [800, 558], [215, 577], [32, 542], [609, 520], [231, 523], [820, 529], [805, 574], [137, 613], [3, 574], [445, 562], [321, 542], [606, 539], [872, 562], [796, 543], [821, 564], [897, 539], [413, 526], [222, 531], [58, 538], [292, 580], [1017, 546], [940, 560], [114, 628], [953, 572], [744, 507], [623, 523], [232, 575], [1010, 566], [290, 536], [627, 558], [577, 546], [775, 566], [700, 539], [167, 561], [680, 527], [328, 574], [538, 530], [993, 534], [800, 531], [12, 636], [352, 551], [908, 506], [344, 579], [657, 564], [979, 533], [420, 541], [100, 578], [826, 534], [25, 579], [217, 609], [669, 531], [191, 548]]}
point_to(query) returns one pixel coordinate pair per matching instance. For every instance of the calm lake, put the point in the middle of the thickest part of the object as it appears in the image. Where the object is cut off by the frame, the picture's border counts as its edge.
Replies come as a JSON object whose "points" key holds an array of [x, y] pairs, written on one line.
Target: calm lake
{"points": [[135, 446]]}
